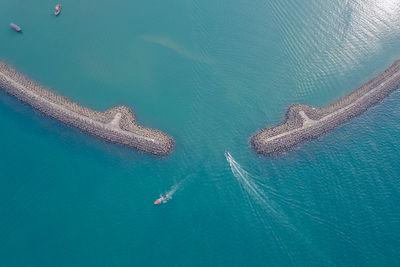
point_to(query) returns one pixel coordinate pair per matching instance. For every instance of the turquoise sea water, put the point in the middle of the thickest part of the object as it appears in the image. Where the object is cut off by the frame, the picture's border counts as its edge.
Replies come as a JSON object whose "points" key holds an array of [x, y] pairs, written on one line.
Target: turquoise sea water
{"points": [[210, 73]]}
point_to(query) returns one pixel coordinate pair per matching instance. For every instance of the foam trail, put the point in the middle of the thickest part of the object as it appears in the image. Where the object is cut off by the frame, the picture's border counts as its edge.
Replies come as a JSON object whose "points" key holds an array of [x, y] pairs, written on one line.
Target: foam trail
{"points": [[256, 190], [176, 187], [248, 185], [172, 191]]}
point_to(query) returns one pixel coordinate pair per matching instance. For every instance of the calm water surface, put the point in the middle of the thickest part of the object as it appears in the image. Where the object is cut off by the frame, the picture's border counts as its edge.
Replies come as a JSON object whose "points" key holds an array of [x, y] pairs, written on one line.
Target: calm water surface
{"points": [[209, 73]]}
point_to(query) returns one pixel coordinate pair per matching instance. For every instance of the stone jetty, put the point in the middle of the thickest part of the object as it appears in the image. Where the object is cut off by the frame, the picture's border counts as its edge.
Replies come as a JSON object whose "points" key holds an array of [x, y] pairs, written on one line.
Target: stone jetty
{"points": [[303, 122], [116, 125]]}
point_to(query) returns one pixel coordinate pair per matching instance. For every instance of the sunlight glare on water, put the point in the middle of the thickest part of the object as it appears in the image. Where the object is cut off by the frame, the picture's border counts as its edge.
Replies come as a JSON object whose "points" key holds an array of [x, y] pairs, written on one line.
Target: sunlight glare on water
{"points": [[210, 74]]}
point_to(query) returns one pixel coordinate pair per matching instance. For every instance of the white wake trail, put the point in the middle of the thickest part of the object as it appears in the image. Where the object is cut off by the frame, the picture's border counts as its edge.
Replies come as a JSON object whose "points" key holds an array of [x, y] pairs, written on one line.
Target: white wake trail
{"points": [[257, 194], [248, 184], [255, 190], [176, 187], [173, 189]]}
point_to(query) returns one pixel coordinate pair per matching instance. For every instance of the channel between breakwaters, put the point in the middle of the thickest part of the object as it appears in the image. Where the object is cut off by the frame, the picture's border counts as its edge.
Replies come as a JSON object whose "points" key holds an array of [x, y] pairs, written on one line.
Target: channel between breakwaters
{"points": [[116, 125], [303, 122]]}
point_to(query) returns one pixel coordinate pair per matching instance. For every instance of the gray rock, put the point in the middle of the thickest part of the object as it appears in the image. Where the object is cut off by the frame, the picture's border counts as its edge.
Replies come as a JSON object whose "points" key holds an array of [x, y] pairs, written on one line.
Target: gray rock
{"points": [[116, 125], [303, 123]]}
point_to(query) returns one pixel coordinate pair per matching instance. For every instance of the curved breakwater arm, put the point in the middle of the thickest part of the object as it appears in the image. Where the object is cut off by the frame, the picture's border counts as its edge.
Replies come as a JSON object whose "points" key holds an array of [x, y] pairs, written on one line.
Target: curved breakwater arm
{"points": [[116, 125], [303, 123]]}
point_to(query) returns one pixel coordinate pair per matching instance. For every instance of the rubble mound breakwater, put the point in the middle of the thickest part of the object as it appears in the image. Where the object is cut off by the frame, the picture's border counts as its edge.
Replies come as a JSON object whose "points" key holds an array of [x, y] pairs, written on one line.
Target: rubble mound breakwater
{"points": [[304, 122], [116, 125]]}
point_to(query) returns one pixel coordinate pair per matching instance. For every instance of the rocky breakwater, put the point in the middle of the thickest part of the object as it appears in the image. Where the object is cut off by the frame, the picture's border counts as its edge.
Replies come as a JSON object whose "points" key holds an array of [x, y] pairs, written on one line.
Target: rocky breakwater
{"points": [[116, 125], [304, 122]]}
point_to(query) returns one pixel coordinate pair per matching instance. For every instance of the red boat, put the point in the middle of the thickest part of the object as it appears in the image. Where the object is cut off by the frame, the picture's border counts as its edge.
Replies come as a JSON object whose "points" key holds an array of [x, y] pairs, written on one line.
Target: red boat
{"points": [[58, 9], [161, 200], [15, 27]]}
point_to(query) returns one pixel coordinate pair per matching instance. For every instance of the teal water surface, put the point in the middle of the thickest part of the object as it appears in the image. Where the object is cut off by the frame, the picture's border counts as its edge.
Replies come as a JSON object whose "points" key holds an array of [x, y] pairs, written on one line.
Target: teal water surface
{"points": [[209, 73]]}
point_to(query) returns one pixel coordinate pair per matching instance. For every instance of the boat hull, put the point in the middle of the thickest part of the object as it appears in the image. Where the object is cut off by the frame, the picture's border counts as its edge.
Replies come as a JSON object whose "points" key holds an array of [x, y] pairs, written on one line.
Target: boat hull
{"points": [[160, 200], [58, 10], [15, 27]]}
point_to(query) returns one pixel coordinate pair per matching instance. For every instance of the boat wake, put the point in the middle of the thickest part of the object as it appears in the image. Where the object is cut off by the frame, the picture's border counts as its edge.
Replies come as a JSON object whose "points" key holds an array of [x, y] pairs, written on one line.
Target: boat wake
{"points": [[172, 191], [248, 184], [256, 191], [164, 198]]}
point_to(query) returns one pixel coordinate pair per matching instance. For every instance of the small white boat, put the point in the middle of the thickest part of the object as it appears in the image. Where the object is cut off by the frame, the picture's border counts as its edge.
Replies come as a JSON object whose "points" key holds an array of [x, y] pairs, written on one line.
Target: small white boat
{"points": [[15, 27], [57, 9]]}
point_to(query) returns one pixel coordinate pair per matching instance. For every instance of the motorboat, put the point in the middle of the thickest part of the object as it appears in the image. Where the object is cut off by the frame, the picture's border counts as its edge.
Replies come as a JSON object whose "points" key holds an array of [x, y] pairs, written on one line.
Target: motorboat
{"points": [[57, 9], [15, 27], [161, 200]]}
